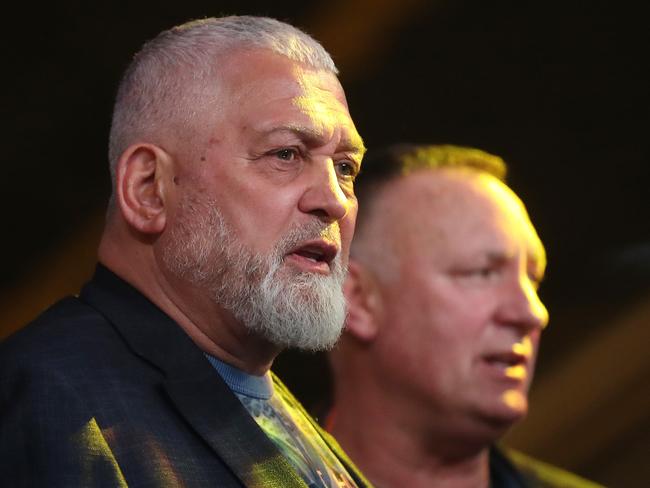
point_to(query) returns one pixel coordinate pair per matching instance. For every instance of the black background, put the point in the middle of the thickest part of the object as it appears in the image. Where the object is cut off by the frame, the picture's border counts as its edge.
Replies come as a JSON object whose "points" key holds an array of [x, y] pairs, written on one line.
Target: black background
{"points": [[559, 89]]}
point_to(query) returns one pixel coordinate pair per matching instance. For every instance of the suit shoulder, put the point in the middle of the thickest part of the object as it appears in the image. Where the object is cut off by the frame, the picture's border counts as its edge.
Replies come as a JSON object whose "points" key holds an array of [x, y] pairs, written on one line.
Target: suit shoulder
{"points": [[543, 475], [62, 327]]}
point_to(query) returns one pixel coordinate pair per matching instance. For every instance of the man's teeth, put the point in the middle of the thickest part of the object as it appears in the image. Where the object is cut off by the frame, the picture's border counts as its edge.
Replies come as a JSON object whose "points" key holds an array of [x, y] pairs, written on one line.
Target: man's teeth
{"points": [[310, 255]]}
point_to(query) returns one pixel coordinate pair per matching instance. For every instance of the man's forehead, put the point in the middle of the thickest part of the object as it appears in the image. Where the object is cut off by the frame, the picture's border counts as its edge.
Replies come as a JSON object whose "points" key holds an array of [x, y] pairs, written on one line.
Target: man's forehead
{"points": [[441, 206], [322, 101], [514, 214], [303, 100], [322, 106], [315, 121], [263, 72]]}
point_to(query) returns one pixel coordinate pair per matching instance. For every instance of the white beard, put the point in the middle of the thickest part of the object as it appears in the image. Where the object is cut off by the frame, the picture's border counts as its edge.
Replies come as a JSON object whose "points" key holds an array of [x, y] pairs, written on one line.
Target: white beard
{"points": [[287, 307]]}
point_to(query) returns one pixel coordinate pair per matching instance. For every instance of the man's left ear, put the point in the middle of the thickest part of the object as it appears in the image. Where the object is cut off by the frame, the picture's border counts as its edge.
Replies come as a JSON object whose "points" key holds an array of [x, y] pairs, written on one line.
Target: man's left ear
{"points": [[363, 299], [144, 172]]}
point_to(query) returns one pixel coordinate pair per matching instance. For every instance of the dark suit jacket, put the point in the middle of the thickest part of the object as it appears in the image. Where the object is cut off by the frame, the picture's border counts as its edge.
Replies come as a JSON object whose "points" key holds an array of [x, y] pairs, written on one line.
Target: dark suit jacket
{"points": [[104, 389]]}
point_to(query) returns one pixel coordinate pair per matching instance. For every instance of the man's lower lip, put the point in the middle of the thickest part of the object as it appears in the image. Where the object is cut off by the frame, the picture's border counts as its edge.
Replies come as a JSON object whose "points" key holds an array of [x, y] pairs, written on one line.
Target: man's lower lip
{"points": [[308, 264]]}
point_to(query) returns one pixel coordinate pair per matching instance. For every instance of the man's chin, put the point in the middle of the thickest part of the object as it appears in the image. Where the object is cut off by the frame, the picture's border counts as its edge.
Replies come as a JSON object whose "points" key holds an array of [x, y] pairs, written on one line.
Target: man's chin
{"points": [[305, 322], [505, 411], [511, 408], [323, 340]]}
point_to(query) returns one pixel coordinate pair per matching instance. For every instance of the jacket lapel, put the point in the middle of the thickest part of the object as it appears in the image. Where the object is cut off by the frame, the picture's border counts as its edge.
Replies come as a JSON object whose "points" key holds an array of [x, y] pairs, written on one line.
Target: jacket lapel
{"points": [[219, 417], [197, 391]]}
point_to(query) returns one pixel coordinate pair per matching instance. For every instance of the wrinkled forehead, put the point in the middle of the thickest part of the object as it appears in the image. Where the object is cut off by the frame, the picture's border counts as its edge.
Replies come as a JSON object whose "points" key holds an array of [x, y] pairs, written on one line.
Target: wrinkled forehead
{"points": [[262, 80], [321, 98]]}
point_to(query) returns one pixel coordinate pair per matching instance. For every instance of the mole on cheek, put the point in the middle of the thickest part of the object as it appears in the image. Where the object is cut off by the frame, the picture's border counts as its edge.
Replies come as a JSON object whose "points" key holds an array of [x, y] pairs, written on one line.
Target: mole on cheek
{"points": [[175, 180]]}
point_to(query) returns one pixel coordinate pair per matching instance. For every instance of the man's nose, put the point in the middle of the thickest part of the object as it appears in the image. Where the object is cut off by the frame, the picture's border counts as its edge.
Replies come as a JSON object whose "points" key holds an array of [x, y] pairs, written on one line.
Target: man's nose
{"points": [[522, 306], [323, 195]]}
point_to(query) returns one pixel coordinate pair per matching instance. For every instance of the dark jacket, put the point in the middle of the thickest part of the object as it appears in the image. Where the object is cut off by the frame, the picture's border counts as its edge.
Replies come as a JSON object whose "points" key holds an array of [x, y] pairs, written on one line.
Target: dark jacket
{"points": [[104, 389]]}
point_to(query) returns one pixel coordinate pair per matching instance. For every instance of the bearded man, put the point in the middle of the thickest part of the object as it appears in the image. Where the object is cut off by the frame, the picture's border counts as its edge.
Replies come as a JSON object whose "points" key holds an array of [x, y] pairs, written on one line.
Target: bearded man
{"points": [[233, 157]]}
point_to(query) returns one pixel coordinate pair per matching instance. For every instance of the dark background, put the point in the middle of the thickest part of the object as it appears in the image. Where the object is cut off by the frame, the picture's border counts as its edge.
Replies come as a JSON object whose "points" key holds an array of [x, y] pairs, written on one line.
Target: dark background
{"points": [[559, 89]]}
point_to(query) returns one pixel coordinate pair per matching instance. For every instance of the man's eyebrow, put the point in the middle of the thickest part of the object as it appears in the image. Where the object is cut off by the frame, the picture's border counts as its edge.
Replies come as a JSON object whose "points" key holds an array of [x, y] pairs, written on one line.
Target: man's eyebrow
{"points": [[315, 136], [539, 262], [497, 257], [308, 135], [354, 145]]}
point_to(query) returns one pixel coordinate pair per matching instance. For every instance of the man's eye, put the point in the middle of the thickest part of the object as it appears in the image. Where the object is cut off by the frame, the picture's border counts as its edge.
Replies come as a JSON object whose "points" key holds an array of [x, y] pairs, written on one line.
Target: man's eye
{"points": [[480, 273], [535, 280], [286, 154], [347, 169], [485, 272]]}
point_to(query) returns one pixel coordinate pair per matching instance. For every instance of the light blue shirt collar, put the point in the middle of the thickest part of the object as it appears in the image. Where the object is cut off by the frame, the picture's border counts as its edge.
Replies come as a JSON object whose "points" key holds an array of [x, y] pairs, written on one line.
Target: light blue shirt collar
{"points": [[243, 383]]}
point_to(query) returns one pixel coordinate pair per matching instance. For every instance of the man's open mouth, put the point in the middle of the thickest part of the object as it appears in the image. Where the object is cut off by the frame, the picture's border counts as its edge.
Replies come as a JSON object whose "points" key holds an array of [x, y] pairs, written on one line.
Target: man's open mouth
{"points": [[506, 359], [314, 255]]}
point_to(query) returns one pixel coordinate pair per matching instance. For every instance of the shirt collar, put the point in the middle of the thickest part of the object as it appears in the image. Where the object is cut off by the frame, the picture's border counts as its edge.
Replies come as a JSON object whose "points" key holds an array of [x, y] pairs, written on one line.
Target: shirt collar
{"points": [[242, 382]]}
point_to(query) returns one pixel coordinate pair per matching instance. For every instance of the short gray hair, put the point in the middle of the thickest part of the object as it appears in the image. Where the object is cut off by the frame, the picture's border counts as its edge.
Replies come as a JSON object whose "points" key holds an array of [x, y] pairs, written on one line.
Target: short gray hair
{"points": [[159, 89], [382, 166]]}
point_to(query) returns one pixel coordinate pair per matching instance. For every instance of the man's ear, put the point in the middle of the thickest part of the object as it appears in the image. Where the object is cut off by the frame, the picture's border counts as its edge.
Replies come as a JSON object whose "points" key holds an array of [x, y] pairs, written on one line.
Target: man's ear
{"points": [[142, 175], [363, 298]]}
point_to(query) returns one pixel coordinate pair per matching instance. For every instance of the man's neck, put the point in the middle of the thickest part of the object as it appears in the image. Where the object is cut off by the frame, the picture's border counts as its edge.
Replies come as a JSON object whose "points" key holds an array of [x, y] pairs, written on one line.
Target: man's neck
{"points": [[392, 455], [213, 329]]}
